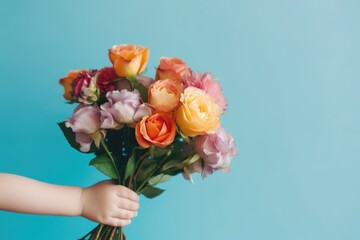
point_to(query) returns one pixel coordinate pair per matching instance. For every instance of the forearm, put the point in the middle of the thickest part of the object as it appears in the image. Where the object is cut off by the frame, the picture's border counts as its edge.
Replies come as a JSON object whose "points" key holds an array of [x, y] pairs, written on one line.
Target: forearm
{"points": [[20, 194]]}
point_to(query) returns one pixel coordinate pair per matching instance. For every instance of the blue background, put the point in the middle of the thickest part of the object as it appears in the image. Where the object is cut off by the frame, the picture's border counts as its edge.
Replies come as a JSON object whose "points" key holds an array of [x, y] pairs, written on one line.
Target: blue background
{"points": [[290, 70]]}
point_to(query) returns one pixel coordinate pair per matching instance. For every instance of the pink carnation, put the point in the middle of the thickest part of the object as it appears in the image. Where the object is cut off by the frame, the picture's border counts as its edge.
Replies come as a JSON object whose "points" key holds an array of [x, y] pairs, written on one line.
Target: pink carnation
{"points": [[83, 79], [84, 87], [207, 83]]}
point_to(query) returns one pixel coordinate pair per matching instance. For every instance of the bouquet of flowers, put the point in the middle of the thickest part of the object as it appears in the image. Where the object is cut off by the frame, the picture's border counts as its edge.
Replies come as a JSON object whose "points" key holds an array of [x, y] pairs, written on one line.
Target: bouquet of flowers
{"points": [[143, 131]]}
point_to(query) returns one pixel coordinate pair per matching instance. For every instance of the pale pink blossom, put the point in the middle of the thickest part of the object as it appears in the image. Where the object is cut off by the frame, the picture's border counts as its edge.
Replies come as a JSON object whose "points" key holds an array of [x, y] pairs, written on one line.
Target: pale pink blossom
{"points": [[216, 150], [207, 83], [123, 108], [85, 123]]}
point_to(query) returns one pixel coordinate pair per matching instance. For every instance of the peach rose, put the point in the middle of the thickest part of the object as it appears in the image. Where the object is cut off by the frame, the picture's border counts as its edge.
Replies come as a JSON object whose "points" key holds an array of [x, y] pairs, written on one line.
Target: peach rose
{"points": [[67, 81], [129, 60], [172, 68], [158, 129], [164, 95], [199, 114]]}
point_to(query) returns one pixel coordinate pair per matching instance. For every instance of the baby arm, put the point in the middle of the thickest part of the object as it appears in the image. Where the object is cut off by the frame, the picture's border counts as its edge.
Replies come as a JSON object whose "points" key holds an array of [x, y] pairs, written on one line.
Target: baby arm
{"points": [[103, 202]]}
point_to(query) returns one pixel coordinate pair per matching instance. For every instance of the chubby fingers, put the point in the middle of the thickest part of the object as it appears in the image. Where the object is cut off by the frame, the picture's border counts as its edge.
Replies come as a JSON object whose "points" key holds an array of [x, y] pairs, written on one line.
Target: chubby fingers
{"points": [[124, 214], [116, 222], [124, 192], [127, 204]]}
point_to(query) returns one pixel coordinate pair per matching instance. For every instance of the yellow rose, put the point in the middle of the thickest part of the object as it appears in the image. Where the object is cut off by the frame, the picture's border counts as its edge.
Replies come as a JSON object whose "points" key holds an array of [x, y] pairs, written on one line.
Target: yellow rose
{"points": [[199, 114], [129, 60]]}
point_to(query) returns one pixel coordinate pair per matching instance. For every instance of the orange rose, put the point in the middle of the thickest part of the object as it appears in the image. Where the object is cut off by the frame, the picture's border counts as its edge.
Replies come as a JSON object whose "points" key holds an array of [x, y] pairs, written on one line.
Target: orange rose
{"points": [[67, 83], [172, 68], [129, 60], [164, 95], [158, 129]]}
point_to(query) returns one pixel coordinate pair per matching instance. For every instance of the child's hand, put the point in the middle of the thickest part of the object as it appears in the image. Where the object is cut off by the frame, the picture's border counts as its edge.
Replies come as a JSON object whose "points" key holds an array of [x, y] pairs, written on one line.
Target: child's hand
{"points": [[109, 204]]}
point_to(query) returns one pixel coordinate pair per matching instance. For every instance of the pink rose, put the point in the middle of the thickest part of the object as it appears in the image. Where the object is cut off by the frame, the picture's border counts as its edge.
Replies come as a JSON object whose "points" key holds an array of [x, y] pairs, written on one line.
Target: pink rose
{"points": [[123, 107], [164, 95], [207, 83], [216, 150], [85, 123], [172, 68]]}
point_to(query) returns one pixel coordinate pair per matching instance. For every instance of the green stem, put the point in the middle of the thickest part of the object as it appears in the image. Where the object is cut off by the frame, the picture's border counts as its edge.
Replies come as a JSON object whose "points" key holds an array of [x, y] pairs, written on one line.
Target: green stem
{"points": [[99, 231], [104, 232], [107, 235], [142, 158], [139, 190], [112, 233], [89, 233], [120, 235], [111, 158]]}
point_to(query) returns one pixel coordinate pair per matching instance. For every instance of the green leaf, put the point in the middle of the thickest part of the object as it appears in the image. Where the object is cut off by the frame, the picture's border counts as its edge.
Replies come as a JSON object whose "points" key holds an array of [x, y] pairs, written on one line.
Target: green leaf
{"points": [[143, 91], [159, 179], [171, 164], [156, 152], [191, 159], [70, 137], [152, 192], [146, 171], [104, 164], [130, 167], [134, 83], [173, 171]]}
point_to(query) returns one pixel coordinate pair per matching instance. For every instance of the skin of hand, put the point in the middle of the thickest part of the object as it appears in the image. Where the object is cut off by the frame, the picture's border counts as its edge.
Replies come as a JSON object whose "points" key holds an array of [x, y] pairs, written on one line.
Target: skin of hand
{"points": [[103, 202], [109, 204]]}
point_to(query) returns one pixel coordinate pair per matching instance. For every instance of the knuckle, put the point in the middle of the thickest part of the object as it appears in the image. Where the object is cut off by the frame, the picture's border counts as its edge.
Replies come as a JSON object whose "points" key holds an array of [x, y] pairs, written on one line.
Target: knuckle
{"points": [[126, 215], [114, 223], [121, 223], [121, 188], [103, 219]]}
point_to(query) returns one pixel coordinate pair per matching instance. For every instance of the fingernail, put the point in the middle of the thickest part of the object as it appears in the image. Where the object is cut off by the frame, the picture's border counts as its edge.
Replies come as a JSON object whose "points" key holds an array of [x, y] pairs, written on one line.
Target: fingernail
{"points": [[136, 213]]}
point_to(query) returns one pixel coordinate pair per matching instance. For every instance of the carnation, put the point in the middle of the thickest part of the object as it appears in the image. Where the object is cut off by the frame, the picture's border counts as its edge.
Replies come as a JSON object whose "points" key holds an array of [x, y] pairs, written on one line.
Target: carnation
{"points": [[105, 79], [85, 89], [207, 83]]}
